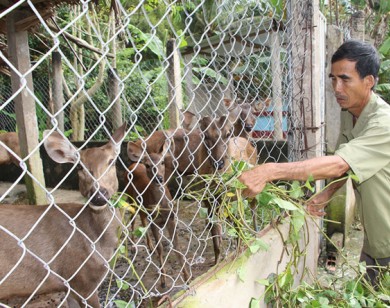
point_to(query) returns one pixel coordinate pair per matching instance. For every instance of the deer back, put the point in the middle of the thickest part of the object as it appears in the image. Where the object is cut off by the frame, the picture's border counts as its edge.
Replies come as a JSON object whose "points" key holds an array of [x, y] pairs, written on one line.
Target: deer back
{"points": [[11, 140], [242, 149]]}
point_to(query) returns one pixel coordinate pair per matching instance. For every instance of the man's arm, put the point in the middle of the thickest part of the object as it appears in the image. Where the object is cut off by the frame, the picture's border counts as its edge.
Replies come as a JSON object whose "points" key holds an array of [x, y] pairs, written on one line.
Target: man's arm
{"points": [[318, 202], [319, 168]]}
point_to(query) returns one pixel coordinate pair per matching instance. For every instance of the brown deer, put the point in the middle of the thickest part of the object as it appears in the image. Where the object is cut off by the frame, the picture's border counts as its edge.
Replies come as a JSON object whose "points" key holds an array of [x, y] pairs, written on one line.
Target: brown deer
{"points": [[203, 150], [147, 186], [243, 117], [184, 145], [64, 247], [11, 140]]}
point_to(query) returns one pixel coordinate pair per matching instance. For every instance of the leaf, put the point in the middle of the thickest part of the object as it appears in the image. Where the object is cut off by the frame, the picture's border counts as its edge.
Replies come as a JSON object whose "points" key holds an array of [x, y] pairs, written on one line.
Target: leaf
{"points": [[123, 304], [286, 279], [241, 274], [286, 205], [308, 183], [125, 205], [258, 244], [384, 297], [155, 45], [264, 198], [122, 284], [212, 74], [203, 213], [255, 303], [296, 191], [232, 232], [353, 176], [263, 282], [140, 231], [298, 220]]}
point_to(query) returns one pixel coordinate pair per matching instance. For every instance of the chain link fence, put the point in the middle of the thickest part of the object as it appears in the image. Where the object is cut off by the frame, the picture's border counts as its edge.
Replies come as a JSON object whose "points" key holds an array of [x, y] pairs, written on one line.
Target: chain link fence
{"points": [[95, 65]]}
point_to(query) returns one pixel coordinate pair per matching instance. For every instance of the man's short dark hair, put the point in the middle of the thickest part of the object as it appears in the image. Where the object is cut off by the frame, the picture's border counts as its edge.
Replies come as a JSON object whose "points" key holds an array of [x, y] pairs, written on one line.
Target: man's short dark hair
{"points": [[364, 54]]}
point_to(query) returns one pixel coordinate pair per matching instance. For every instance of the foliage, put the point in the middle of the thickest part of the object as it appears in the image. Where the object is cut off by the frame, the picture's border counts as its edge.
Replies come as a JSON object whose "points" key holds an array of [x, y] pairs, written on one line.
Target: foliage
{"points": [[280, 292], [383, 87]]}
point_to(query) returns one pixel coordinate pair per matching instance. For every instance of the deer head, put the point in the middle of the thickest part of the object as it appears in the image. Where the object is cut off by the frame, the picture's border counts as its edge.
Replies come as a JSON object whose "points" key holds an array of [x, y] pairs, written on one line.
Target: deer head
{"points": [[153, 162], [96, 166], [242, 115], [217, 133]]}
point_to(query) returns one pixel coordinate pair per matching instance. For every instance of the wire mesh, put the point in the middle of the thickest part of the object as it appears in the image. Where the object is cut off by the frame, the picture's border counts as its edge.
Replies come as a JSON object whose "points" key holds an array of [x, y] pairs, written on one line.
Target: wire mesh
{"points": [[117, 65]]}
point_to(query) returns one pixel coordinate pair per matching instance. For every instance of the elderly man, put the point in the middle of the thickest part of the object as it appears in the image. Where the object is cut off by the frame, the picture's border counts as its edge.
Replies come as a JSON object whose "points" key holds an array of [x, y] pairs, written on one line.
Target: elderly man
{"points": [[364, 148]]}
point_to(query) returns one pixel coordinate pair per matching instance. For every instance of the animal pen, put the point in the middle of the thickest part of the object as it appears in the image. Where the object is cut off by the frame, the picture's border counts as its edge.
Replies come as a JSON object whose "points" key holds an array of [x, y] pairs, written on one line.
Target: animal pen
{"points": [[163, 71]]}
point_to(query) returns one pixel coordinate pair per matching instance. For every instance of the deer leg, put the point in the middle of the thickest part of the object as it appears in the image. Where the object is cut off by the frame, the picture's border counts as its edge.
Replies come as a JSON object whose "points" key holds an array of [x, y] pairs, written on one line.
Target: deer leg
{"points": [[171, 229], [216, 232], [157, 236], [254, 214], [147, 236], [94, 300]]}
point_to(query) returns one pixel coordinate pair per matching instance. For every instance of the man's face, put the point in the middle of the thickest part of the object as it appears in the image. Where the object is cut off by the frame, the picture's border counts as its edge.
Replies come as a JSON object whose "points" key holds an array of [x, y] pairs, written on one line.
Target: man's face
{"points": [[351, 91]]}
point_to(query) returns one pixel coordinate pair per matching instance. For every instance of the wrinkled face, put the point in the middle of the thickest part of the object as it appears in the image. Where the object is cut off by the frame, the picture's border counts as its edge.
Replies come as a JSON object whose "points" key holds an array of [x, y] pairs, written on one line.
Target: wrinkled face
{"points": [[351, 91], [97, 178], [216, 134]]}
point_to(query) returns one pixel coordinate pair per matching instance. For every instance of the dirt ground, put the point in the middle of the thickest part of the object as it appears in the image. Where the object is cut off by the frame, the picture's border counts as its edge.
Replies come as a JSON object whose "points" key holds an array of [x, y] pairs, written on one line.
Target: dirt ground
{"points": [[347, 260]]}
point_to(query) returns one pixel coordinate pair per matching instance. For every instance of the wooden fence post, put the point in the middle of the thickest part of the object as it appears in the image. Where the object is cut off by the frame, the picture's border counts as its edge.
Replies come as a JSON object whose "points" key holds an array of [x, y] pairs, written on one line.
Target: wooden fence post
{"points": [[58, 90], [175, 96], [26, 117]]}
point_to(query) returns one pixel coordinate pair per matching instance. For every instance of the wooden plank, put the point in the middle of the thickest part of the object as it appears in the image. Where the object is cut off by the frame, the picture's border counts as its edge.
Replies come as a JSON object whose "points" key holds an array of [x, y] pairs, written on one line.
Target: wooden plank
{"points": [[175, 96], [26, 118], [58, 90]]}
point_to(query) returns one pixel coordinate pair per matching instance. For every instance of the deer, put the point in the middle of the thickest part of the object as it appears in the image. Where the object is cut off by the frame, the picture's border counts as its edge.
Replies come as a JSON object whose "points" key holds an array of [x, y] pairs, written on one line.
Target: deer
{"points": [[243, 119], [64, 247], [146, 177], [204, 150], [184, 144], [11, 140], [241, 115]]}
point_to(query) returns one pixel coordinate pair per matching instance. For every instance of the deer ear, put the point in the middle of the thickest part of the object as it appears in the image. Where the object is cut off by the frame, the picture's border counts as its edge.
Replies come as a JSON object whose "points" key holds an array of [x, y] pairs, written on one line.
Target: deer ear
{"points": [[59, 148], [134, 151], [119, 134], [204, 123], [189, 120]]}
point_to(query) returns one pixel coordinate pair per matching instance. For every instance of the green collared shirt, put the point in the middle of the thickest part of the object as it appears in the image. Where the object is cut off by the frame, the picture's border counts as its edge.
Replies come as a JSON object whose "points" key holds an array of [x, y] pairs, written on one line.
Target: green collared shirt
{"points": [[366, 149]]}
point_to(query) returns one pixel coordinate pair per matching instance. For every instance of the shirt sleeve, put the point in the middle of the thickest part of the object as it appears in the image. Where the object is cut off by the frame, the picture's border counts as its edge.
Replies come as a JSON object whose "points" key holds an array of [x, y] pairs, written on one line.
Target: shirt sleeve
{"points": [[367, 153]]}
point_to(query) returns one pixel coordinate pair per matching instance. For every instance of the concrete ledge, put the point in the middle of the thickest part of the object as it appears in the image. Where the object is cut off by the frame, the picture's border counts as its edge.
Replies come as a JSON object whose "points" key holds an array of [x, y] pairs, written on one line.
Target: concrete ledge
{"points": [[215, 288]]}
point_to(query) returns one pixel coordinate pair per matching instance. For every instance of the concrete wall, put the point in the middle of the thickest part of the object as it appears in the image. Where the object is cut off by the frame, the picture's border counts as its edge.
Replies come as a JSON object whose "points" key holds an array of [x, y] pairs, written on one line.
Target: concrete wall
{"points": [[334, 39], [223, 287]]}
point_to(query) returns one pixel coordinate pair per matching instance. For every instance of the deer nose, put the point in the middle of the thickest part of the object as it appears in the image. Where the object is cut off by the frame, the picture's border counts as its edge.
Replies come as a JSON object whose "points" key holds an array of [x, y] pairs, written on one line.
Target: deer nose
{"points": [[100, 198], [248, 127], [159, 179], [219, 164]]}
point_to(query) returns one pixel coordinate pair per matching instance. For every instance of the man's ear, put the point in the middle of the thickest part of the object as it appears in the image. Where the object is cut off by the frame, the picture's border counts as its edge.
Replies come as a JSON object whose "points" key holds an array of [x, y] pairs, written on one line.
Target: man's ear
{"points": [[370, 81]]}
